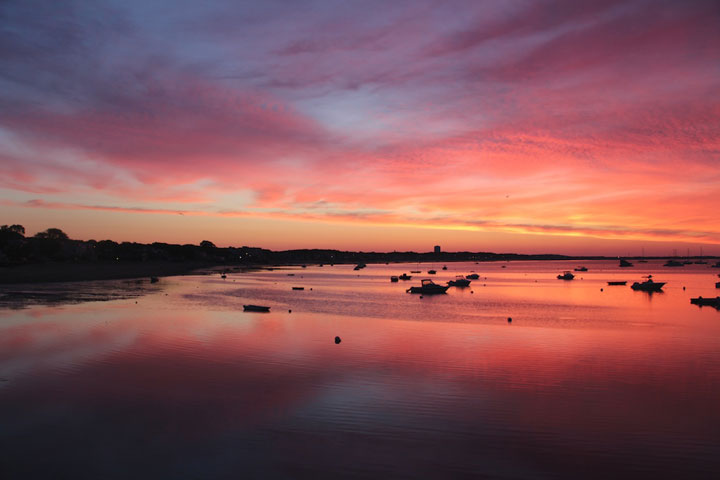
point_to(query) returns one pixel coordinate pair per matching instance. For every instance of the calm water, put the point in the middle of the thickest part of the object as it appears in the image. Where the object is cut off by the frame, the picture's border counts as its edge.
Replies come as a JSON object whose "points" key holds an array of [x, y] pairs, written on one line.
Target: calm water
{"points": [[583, 383]]}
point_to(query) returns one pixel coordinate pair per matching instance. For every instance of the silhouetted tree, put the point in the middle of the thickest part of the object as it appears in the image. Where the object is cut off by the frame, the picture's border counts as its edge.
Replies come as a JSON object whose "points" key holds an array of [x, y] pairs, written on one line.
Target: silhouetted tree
{"points": [[207, 244], [17, 229], [52, 234]]}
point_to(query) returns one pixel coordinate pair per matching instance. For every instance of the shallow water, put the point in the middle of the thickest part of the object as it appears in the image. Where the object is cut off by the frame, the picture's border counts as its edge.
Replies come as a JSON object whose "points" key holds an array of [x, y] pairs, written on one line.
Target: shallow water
{"points": [[582, 383]]}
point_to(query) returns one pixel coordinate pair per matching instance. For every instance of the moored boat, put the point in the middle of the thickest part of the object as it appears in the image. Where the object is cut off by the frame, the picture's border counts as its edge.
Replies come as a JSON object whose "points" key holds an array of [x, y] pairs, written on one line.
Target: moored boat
{"points": [[581, 269], [472, 276], [394, 278], [566, 276], [255, 308], [405, 276], [428, 287], [648, 285], [432, 272], [625, 263], [706, 302], [617, 283], [673, 263], [459, 282]]}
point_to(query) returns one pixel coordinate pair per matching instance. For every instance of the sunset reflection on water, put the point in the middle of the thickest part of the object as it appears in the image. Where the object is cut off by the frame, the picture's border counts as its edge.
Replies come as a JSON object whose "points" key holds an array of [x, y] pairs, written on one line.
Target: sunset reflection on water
{"points": [[582, 382]]}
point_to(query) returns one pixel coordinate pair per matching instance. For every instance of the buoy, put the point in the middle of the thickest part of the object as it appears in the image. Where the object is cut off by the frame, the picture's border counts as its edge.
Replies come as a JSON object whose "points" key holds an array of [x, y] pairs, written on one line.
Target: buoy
{"points": [[683, 288], [471, 291], [509, 319], [602, 290], [289, 311], [337, 340], [421, 296]]}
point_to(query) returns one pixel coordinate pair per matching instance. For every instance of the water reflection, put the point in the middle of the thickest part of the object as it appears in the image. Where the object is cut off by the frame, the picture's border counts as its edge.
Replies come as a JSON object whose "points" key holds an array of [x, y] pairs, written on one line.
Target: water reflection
{"points": [[187, 385]]}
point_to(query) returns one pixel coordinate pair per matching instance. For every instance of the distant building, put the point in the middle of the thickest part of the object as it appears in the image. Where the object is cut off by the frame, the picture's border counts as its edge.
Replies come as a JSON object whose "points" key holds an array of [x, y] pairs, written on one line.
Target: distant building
{"points": [[437, 248]]}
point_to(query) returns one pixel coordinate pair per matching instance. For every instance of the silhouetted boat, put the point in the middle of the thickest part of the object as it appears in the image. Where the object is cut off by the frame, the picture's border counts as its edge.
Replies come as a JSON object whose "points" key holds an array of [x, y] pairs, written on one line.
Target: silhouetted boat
{"points": [[706, 302], [405, 276], [359, 266], [444, 267], [472, 276], [298, 288], [648, 285], [566, 276], [223, 276], [255, 308], [700, 262], [432, 272], [428, 287], [459, 282], [394, 278], [673, 263], [618, 283], [625, 263], [415, 271], [581, 269], [717, 284]]}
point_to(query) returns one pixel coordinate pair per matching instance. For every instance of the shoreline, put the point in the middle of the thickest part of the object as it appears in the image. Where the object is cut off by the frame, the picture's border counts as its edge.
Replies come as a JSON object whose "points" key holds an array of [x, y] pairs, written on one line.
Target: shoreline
{"points": [[79, 272]]}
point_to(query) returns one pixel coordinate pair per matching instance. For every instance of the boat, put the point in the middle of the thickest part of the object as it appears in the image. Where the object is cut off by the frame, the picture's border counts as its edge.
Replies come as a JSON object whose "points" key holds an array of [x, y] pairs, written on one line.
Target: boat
{"points": [[223, 276], [625, 263], [394, 278], [700, 262], [405, 276], [673, 263], [581, 269], [255, 308], [444, 267], [459, 282], [648, 285], [617, 283], [415, 271], [566, 276], [472, 276], [428, 287], [432, 272], [359, 266], [298, 288], [717, 284], [706, 302]]}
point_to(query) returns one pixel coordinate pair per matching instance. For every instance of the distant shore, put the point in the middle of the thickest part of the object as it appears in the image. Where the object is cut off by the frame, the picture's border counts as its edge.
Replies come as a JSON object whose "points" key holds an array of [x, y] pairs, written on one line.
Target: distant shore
{"points": [[76, 272]]}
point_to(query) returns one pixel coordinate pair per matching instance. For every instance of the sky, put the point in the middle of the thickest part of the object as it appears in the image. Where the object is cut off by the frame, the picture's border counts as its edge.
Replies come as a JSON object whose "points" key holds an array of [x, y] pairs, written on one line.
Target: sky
{"points": [[499, 125]]}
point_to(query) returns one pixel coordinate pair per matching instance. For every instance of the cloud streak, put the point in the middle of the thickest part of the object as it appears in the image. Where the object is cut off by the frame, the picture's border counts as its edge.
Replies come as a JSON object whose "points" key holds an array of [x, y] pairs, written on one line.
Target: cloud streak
{"points": [[597, 119]]}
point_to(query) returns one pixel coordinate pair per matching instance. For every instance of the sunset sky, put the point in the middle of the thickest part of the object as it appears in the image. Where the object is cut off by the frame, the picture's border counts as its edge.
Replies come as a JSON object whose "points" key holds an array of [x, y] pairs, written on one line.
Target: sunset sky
{"points": [[530, 126]]}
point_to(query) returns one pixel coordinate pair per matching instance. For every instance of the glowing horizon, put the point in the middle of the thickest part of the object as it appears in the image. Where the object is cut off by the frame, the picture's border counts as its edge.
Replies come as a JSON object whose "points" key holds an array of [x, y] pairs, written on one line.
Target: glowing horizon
{"points": [[543, 127]]}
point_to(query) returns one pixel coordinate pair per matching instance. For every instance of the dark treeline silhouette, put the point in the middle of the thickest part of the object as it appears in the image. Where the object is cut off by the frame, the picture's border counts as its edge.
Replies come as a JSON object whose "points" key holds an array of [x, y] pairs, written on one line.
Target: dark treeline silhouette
{"points": [[53, 245]]}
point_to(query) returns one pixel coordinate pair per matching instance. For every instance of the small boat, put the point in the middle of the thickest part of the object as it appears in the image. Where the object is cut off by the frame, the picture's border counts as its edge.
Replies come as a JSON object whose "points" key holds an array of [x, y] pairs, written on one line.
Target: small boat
{"points": [[255, 308], [154, 279], [618, 283], [432, 272], [472, 276], [625, 263], [359, 266], [223, 276], [700, 262], [415, 271], [706, 302], [459, 282], [444, 267], [428, 287], [581, 269], [394, 278], [648, 285], [673, 263], [566, 276], [717, 284], [290, 274], [298, 288], [405, 276]]}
